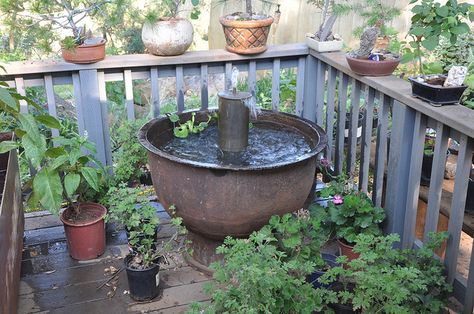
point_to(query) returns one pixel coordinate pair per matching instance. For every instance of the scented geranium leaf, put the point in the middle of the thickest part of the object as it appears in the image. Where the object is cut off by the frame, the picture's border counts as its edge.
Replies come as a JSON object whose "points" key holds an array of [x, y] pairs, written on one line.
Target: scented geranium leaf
{"points": [[363, 221], [7, 146], [90, 174], [48, 189], [71, 183]]}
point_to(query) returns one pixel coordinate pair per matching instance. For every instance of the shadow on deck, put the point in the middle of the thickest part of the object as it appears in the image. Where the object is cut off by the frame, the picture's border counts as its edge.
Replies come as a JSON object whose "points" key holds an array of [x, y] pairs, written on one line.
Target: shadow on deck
{"points": [[51, 281]]}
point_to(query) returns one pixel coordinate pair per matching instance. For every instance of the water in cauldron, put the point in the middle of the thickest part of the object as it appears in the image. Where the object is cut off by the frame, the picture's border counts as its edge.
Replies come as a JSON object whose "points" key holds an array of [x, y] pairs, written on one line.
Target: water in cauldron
{"points": [[268, 144]]}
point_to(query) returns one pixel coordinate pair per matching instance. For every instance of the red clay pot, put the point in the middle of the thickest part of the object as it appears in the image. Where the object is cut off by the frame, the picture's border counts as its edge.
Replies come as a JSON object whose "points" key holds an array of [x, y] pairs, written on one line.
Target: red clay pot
{"points": [[372, 68], [85, 239], [347, 250], [84, 54]]}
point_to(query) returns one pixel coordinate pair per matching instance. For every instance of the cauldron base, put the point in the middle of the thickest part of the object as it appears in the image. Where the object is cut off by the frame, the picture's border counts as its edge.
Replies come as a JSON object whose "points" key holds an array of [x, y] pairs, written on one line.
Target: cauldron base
{"points": [[203, 252]]}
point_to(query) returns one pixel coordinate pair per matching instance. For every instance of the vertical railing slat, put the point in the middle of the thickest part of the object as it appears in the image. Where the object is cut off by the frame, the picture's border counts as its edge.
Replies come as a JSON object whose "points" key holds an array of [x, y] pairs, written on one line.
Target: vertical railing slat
{"points": [[252, 79], [381, 149], [353, 126], [49, 88], [300, 86], [320, 89], [276, 85], [456, 215], [469, 299], [408, 236], [228, 76], [309, 99], [155, 92], [127, 77], [105, 120], [76, 83], [331, 92], [437, 177], [180, 88], [204, 87], [20, 88], [341, 122], [366, 140]]}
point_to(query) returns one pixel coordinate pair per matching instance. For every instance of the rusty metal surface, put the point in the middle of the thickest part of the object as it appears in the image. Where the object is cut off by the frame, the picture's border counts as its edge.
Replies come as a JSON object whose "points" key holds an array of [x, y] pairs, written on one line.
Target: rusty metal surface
{"points": [[216, 201], [11, 236]]}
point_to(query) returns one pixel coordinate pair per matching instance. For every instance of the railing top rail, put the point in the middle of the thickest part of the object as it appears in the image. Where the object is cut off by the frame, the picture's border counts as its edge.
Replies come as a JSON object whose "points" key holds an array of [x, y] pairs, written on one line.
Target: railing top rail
{"points": [[20, 68], [457, 117]]}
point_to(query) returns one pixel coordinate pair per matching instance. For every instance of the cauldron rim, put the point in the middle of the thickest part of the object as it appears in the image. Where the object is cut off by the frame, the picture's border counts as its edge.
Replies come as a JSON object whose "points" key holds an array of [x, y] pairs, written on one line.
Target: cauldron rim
{"points": [[321, 144]]}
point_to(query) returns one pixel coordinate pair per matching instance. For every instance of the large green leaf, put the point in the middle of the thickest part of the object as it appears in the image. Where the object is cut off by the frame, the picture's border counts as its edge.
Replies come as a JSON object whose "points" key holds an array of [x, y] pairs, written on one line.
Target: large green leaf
{"points": [[59, 161], [7, 98], [442, 11], [54, 152], [90, 174], [48, 189], [430, 43], [34, 149], [7, 146], [49, 121], [71, 183], [460, 29]]}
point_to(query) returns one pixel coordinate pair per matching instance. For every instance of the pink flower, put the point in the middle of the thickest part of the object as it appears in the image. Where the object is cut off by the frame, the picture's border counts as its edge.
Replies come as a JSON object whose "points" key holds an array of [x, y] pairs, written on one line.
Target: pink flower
{"points": [[324, 162], [337, 200]]}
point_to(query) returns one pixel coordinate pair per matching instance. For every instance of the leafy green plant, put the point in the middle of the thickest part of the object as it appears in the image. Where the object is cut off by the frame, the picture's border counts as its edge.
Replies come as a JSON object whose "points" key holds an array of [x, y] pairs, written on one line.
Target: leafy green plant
{"points": [[183, 130], [432, 20], [387, 280], [468, 96], [171, 9], [129, 156], [356, 215]]}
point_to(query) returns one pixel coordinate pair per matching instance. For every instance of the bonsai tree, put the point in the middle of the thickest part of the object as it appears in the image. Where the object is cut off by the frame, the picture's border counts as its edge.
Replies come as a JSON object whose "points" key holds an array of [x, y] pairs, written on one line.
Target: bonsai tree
{"points": [[169, 9], [432, 20], [329, 13]]}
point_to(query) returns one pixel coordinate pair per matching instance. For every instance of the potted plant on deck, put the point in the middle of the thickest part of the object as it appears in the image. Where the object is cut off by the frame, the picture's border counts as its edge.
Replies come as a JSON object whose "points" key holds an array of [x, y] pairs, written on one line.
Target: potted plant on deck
{"points": [[323, 40], [164, 33], [63, 178], [367, 61], [143, 263], [352, 215], [246, 32], [430, 21]]}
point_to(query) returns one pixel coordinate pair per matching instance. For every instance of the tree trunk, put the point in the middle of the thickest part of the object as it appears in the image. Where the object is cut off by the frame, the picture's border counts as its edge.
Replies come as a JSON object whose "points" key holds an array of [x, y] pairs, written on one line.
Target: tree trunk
{"points": [[248, 6]]}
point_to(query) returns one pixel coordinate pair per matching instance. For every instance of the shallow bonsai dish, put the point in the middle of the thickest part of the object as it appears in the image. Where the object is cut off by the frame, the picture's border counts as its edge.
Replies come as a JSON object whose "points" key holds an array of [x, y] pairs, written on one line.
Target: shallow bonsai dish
{"points": [[436, 94], [372, 68], [85, 54]]}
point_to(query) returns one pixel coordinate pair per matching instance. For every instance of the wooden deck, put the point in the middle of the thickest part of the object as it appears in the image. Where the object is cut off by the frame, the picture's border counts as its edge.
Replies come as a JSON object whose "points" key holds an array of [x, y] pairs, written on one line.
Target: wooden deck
{"points": [[52, 282]]}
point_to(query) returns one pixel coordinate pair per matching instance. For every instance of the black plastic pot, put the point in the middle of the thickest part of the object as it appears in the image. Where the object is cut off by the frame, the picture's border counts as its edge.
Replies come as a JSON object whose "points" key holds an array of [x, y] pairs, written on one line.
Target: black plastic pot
{"points": [[145, 178], [470, 196], [426, 168], [330, 260], [143, 284], [436, 94], [342, 308]]}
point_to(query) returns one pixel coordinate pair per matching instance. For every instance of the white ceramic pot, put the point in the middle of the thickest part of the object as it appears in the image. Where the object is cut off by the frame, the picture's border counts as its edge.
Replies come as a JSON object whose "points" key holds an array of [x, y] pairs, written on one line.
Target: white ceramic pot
{"points": [[323, 46], [170, 37]]}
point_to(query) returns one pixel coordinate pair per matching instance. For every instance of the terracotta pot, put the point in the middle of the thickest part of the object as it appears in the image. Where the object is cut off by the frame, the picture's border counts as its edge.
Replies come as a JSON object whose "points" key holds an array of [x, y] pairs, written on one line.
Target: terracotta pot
{"points": [[84, 54], [347, 250], [86, 239], [372, 68], [248, 36], [169, 37]]}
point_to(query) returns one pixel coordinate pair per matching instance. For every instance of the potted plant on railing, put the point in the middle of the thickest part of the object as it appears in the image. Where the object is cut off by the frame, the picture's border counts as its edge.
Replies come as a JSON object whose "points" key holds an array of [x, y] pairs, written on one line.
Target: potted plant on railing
{"points": [[367, 61], [430, 21], [164, 33], [247, 32], [131, 208], [81, 46], [143, 263], [323, 40], [352, 215]]}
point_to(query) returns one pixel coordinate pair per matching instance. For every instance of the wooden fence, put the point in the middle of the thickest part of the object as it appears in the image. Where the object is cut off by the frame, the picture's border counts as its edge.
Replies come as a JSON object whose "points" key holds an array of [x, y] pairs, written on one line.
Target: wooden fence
{"points": [[386, 159]]}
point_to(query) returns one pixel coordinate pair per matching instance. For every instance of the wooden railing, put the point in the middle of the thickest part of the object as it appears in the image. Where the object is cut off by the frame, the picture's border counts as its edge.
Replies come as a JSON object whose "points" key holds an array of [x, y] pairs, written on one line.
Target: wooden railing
{"points": [[386, 159]]}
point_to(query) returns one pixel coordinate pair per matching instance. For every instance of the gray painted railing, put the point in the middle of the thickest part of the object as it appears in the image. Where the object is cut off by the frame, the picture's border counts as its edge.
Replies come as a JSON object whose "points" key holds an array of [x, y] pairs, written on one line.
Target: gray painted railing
{"points": [[326, 90]]}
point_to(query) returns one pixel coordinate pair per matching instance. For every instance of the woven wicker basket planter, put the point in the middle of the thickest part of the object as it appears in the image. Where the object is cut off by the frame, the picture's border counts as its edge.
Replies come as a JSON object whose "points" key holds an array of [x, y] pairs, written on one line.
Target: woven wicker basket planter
{"points": [[246, 36]]}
